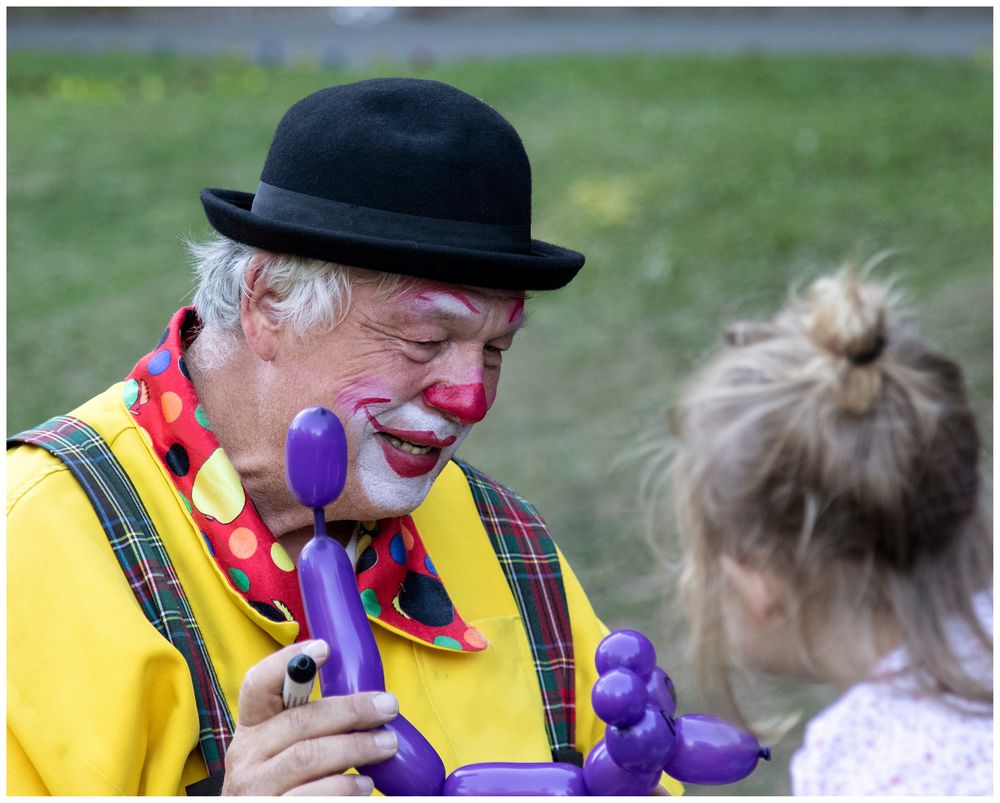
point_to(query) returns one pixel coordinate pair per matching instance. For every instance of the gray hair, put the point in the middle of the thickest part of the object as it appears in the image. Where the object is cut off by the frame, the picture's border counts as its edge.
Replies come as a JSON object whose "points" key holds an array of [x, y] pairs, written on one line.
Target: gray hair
{"points": [[310, 295]]}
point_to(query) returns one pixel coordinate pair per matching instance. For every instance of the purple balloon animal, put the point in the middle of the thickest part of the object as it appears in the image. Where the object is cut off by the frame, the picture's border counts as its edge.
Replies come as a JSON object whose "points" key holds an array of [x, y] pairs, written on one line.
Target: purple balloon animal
{"points": [[316, 468], [633, 695], [636, 700]]}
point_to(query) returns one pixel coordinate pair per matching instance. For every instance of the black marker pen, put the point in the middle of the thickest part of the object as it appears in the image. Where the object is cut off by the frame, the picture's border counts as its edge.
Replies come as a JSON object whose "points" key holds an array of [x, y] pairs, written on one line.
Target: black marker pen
{"points": [[298, 681]]}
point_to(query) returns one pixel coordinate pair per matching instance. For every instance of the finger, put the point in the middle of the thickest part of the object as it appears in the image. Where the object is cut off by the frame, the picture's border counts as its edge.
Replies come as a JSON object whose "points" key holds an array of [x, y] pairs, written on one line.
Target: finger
{"points": [[314, 759], [336, 786], [260, 694], [327, 716]]}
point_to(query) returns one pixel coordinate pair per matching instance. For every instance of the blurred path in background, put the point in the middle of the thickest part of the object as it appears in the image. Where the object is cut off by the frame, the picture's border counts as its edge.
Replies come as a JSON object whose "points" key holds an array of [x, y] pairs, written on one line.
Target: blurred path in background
{"points": [[360, 37]]}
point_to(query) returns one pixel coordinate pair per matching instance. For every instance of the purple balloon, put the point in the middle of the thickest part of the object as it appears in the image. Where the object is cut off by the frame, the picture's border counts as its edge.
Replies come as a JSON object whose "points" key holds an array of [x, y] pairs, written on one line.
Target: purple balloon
{"points": [[334, 613], [619, 697], [516, 780], [711, 750], [605, 778], [643, 747], [316, 457], [416, 769], [627, 648], [661, 692]]}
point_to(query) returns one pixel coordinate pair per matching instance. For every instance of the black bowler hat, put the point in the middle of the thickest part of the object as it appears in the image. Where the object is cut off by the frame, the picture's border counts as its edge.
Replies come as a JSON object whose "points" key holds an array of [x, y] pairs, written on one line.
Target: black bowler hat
{"points": [[401, 175]]}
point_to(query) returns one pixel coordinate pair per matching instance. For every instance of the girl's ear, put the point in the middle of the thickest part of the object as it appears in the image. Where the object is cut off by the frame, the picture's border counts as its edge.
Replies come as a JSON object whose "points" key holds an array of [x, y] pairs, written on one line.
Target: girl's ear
{"points": [[261, 326], [763, 593]]}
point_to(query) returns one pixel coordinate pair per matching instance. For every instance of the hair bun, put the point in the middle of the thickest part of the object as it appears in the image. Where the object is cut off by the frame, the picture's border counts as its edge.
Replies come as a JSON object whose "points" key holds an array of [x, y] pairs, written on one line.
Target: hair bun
{"points": [[869, 356], [846, 317]]}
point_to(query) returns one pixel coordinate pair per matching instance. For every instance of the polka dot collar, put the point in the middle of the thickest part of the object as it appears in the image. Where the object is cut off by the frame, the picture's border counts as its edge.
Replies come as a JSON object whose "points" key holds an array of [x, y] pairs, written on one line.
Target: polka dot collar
{"points": [[397, 580]]}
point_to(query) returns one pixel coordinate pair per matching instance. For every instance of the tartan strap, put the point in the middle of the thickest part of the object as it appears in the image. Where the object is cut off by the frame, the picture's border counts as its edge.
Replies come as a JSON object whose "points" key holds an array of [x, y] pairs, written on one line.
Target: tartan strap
{"points": [[145, 562], [531, 565]]}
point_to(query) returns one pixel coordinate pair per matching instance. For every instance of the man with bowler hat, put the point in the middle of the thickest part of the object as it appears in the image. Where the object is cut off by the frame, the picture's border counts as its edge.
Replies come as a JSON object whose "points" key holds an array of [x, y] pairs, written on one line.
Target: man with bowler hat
{"points": [[379, 270]]}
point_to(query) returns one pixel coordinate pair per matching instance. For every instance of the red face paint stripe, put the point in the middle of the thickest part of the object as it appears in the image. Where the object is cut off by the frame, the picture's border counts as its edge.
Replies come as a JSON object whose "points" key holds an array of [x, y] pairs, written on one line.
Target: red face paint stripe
{"points": [[365, 402], [517, 311], [463, 299], [454, 294]]}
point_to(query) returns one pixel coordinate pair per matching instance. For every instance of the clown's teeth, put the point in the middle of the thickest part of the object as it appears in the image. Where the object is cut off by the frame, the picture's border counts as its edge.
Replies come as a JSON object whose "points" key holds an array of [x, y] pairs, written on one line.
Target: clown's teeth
{"points": [[406, 446]]}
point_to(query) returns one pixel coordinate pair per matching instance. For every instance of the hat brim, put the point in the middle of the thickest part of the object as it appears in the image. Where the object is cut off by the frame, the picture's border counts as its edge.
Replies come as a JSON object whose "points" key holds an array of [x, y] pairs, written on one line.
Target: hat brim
{"points": [[546, 267]]}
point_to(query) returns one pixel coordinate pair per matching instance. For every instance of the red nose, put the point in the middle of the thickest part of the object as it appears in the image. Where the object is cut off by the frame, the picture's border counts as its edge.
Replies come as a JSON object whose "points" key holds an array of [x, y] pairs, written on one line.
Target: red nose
{"points": [[465, 402]]}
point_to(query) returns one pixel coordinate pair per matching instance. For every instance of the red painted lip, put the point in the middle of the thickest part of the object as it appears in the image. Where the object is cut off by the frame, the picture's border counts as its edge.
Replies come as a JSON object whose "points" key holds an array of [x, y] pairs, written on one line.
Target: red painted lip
{"points": [[406, 464], [418, 437]]}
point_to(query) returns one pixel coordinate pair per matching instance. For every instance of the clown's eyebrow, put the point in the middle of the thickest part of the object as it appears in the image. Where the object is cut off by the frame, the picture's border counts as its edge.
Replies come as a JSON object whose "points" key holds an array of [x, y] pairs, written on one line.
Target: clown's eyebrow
{"points": [[462, 299], [452, 305], [445, 301], [445, 317]]}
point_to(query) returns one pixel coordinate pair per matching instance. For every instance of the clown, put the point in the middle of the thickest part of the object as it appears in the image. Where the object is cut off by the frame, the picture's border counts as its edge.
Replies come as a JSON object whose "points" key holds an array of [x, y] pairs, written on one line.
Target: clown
{"points": [[380, 270]]}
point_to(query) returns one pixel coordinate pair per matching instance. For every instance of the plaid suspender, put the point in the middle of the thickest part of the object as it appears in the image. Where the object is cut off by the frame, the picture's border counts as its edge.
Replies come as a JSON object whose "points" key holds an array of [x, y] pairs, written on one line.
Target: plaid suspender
{"points": [[144, 561], [530, 563]]}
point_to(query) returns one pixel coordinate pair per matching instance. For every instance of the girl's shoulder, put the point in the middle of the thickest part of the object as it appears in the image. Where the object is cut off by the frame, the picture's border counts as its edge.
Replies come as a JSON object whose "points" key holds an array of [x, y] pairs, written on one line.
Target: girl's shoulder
{"points": [[884, 737]]}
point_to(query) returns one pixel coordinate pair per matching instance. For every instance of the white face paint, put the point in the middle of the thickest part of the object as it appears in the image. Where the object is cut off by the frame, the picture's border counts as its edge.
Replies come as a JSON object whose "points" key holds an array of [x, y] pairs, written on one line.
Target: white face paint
{"points": [[401, 451], [408, 376], [452, 302]]}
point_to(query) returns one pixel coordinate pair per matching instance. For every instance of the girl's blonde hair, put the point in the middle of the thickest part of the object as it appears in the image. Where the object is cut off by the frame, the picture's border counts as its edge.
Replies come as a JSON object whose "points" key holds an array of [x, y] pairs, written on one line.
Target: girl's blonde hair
{"points": [[835, 448]]}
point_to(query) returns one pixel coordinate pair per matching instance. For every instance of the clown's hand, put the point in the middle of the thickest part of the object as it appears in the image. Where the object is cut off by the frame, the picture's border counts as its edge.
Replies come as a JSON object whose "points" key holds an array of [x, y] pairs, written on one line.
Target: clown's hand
{"points": [[307, 749]]}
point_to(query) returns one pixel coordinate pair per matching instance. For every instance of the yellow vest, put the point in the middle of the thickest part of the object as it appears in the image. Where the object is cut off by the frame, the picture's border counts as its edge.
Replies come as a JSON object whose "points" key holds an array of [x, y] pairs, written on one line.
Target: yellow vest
{"points": [[98, 703]]}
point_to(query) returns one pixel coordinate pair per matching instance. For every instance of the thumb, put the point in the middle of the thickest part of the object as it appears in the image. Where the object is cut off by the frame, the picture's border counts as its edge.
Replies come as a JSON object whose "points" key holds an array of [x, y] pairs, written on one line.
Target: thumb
{"points": [[260, 694]]}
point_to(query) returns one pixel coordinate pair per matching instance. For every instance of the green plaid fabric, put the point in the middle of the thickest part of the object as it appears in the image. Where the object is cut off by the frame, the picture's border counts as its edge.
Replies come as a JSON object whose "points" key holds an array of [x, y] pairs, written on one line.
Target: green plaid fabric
{"points": [[144, 561], [530, 563]]}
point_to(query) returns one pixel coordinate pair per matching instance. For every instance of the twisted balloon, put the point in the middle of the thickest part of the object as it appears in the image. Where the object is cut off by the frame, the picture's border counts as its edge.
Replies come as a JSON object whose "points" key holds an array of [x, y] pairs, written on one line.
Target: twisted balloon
{"points": [[633, 696]]}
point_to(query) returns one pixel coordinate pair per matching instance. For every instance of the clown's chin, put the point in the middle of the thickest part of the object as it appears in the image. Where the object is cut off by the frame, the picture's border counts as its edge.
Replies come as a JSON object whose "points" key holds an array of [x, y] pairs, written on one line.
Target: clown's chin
{"points": [[383, 496]]}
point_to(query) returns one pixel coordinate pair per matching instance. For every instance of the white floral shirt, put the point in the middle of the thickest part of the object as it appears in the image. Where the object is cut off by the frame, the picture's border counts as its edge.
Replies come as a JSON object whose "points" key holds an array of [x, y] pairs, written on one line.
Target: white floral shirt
{"points": [[886, 738]]}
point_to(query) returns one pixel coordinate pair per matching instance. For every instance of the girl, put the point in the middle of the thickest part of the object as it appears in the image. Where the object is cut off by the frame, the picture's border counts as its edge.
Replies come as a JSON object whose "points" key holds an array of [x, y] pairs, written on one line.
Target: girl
{"points": [[833, 528]]}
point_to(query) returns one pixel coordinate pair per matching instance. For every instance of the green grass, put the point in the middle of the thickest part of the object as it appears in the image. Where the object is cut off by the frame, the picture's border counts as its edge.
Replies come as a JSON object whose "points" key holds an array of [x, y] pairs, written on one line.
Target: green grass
{"points": [[697, 187]]}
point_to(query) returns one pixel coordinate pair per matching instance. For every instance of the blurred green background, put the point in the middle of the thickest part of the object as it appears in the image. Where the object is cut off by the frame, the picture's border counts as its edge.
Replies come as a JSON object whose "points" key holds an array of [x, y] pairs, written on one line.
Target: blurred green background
{"points": [[698, 188]]}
